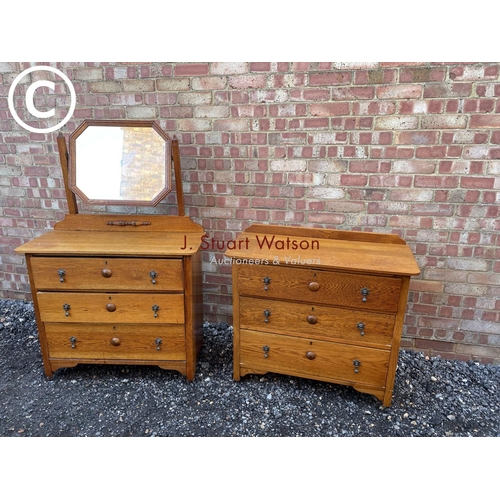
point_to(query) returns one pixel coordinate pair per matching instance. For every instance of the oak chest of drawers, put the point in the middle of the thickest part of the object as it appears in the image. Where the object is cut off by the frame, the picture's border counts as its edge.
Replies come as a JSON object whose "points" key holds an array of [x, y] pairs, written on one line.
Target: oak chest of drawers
{"points": [[321, 304], [118, 294], [118, 289]]}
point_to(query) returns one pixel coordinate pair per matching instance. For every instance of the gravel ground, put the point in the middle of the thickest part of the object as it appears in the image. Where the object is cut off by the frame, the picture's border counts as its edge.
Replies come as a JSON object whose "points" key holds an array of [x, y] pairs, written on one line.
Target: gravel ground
{"points": [[432, 396]]}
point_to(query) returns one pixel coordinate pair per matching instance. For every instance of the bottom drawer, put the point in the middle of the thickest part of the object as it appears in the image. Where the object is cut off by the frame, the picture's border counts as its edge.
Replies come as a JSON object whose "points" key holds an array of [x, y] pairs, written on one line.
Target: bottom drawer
{"points": [[102, 341], [316, 359]]}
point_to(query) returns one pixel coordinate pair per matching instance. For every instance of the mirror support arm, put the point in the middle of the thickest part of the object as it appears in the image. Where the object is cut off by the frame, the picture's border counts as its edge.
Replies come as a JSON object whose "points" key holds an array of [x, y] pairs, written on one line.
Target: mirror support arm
{"points": [[63, 156], [178, 178]]}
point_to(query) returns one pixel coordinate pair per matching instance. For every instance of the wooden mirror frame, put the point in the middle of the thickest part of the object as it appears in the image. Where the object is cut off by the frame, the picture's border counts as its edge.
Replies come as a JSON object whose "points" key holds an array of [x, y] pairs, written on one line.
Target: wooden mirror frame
{"points": [[72, 178]]}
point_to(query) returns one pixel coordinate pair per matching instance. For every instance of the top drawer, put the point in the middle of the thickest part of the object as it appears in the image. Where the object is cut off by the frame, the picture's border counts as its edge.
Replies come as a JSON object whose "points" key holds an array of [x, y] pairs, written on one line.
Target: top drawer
{"points": [[321, 287], [96, 273]]}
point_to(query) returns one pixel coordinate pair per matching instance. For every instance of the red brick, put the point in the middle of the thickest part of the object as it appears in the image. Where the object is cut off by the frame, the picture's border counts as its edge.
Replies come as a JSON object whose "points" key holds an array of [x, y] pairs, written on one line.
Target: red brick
{"points": [[477, 182], [300, 66], [369, 166], [431, 152], [333, 78], [485, 121], [353, 180], [191, 69], [495, 137], [330, 109], [262, 66], [317, 95]]}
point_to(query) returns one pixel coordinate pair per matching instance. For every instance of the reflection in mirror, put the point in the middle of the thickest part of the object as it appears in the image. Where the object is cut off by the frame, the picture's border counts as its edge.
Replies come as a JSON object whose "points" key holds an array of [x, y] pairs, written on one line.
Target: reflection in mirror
{"points": [[120, 164]]}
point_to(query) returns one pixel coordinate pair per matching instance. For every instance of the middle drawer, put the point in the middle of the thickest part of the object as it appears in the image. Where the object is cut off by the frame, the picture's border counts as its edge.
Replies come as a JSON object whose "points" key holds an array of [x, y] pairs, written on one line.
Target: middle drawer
{"points": [[77, 307], [316, 321]]}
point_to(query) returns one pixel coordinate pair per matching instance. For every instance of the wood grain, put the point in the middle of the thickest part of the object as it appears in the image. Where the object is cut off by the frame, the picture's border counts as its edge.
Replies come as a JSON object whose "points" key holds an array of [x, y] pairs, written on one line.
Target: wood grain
{"points": [[314, 251], [130, 307], [98, 243], [333, 361], [63, 158], [158, 223], [335, 288], [333, 234], [331, 323], [298, 300], [137, 342], [86, 273]]}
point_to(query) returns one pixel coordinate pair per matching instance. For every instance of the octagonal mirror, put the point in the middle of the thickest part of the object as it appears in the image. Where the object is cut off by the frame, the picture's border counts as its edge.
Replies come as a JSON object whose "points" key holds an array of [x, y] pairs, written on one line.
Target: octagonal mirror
{"points": [[120, 162]]}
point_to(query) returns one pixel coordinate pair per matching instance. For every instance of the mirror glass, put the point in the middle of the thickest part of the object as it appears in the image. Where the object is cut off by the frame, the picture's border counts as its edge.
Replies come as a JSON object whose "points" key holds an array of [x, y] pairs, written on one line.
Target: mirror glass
{"points": [[120, 163]]}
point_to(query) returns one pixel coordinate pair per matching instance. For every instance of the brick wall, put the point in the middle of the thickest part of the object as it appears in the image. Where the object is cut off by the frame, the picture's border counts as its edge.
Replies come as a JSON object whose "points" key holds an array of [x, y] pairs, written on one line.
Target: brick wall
{"points": [[405, 148]]}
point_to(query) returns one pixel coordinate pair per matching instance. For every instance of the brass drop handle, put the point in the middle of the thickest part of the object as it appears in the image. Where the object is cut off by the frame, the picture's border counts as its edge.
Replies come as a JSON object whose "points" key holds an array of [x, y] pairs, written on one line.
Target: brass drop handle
{"points": [[312, 320], [266, 350], [266, 281], [111, 307], [267, 313], [310, 355], [356, 364], [158, 344], [155, 310], [66, 308], [61, 273], [153, 275], [106, 273], [364, 293], [313, 286], [115, 341], [73, 342], [361, 327]]}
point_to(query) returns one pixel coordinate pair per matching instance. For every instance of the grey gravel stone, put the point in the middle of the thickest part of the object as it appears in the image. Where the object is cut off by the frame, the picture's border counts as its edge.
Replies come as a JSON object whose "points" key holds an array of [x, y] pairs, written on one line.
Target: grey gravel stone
{"points": [[432, 396]]}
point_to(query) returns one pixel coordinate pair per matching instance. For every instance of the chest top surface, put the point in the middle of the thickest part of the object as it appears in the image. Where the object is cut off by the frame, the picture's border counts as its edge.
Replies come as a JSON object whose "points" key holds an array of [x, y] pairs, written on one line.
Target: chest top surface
{"points": [[342, 250], [138, 236]]}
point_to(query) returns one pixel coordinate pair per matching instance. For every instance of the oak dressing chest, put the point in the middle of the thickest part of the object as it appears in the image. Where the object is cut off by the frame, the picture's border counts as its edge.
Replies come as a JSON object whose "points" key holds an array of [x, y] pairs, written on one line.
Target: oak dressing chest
{"points": [[119, 289], [321, 304]]}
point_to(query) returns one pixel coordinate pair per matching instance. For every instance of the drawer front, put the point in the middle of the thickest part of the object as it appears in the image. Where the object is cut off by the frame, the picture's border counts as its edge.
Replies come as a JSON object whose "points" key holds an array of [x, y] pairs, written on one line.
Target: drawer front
{"points": [[103, 341], [95, 273], [75, 307], [324, 287], [313, 358], [316, 321]]}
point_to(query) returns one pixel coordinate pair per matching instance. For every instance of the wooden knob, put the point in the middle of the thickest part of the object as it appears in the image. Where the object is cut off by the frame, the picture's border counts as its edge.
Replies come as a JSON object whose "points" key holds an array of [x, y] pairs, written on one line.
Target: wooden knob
{"points": [[111, 307], [310, 355], [106, 273], [115, 341], [312, 320], [313, 286]]}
